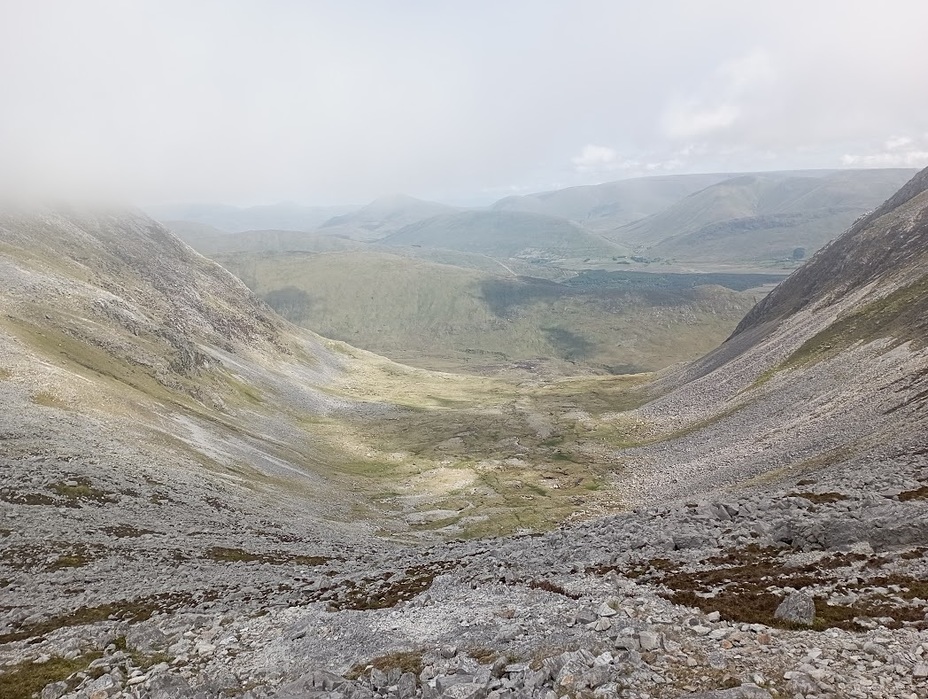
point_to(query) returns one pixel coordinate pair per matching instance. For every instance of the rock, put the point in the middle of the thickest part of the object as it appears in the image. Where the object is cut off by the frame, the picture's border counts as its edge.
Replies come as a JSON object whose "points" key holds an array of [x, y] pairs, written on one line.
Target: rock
{"points": [[146, 638], [54, 690], [649, 640], [465, 690], [797, 608], [920, 671], [627, 643], [601, 624], [168, 686], [378, 678], [406, 686], [605, 610]]}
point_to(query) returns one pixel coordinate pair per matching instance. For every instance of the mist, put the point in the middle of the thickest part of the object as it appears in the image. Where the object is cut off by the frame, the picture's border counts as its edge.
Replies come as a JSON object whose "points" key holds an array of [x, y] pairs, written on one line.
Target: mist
{"points": [[258, 102]]}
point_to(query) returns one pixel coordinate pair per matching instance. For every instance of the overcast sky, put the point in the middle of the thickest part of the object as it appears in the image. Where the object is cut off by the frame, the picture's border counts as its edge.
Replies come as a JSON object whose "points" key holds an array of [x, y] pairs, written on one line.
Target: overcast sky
{"points": [[340, 102]]}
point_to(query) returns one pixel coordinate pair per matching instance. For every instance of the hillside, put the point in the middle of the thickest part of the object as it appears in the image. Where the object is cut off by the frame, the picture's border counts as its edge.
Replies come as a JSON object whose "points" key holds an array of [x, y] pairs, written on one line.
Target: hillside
{"points": [[201, 499], [831, 367], [234, 219], [382, 217], [447, 317], [602, 207], [506, 234], [762, 218], [209, 241]]}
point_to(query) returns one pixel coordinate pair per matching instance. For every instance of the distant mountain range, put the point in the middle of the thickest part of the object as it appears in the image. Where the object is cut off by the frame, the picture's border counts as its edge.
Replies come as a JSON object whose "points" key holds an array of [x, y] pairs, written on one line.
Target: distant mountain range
{"points": [[506, 234], [752, 221]]}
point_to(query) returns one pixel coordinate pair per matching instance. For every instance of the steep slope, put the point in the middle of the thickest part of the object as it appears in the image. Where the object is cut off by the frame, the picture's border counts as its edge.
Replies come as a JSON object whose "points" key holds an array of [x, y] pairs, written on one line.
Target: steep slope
{"points": [[382, 217], [506, 234], [602, 207], [831, 367], [761, 218]]}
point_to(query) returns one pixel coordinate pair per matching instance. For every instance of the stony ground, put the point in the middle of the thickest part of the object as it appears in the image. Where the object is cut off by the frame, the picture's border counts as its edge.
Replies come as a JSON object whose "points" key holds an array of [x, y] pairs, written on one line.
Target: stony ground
{"points": [[160, 587]]}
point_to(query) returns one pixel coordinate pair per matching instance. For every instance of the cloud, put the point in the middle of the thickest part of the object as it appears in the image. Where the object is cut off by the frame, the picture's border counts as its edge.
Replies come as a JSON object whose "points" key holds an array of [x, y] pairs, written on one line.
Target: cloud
{"points": [[911, 158], [897, 142], [234, 101], [722, 98], [686, 120], [594, 159]]}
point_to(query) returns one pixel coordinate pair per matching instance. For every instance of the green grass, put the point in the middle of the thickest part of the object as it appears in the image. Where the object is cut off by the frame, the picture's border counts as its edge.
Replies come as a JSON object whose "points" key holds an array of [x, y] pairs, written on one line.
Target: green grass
{"points": [[80, 489], [450, 318], [235, 555], [24, 680]]}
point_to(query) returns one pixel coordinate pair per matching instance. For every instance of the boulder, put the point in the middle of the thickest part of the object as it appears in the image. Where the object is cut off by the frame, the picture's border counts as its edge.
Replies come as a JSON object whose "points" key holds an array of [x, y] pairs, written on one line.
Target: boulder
{"points": [[797, 608]]}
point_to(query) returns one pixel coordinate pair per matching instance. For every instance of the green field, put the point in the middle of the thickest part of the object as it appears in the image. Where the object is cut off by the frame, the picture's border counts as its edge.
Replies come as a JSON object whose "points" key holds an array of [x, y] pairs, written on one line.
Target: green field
{"points": [[447, 317]]}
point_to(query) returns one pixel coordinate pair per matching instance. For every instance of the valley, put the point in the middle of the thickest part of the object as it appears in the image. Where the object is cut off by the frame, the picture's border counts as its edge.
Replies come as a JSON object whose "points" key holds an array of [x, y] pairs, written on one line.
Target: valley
{"points": [[601, 481]]}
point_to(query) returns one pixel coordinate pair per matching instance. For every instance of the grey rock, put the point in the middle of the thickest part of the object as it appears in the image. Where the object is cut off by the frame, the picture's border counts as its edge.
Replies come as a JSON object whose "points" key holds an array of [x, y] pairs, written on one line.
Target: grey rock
{"points": [[146, 638], [797, 608], [406, 686], [649, 640], [54, 690], [627, 643], [465, 690], [168, 686]]}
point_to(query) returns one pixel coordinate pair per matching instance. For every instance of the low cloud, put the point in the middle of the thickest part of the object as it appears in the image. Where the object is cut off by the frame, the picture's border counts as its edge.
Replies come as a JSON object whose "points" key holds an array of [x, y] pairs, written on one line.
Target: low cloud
{"points": [[692, 119], [897, 142], [594, 159], [912, 158]]}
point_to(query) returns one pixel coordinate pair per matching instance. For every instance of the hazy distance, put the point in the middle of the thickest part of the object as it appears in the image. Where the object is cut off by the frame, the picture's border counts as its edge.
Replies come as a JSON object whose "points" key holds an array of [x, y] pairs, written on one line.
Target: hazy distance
{"points": [[317, 103]]}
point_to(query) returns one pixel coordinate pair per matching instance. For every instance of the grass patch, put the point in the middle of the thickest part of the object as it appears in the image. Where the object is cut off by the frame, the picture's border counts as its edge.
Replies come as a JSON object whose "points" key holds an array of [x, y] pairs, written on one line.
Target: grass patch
{"points": [[80, 488], [388, 590], [49, 400], [819, 498], [233, 555], [135, 610], [404, 661], [125, 531], [24, 680], [917, 494], [50, 556], [742, 585], [548, 586]]}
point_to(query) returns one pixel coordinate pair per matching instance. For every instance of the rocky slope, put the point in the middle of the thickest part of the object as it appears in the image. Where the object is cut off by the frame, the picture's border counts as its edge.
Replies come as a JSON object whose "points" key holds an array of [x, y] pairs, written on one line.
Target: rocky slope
{"points": [[208, 568], [832, 364]]}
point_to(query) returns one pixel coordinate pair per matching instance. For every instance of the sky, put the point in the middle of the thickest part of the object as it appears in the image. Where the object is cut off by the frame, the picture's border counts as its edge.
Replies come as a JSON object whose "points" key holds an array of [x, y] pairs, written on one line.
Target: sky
{"points": [[255, 102]]}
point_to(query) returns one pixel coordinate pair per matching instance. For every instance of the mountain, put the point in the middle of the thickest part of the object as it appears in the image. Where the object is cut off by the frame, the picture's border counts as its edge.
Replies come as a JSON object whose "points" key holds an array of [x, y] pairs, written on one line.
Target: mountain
{"points": [[830, 368], [505, 234], [602, 207], [760, 218], [200, 499], [382, 217], [233, 219]]}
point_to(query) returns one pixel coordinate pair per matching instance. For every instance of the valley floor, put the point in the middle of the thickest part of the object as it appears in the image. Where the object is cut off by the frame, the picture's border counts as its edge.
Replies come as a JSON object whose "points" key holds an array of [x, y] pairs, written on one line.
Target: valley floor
{"points": [[126, 572]]}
